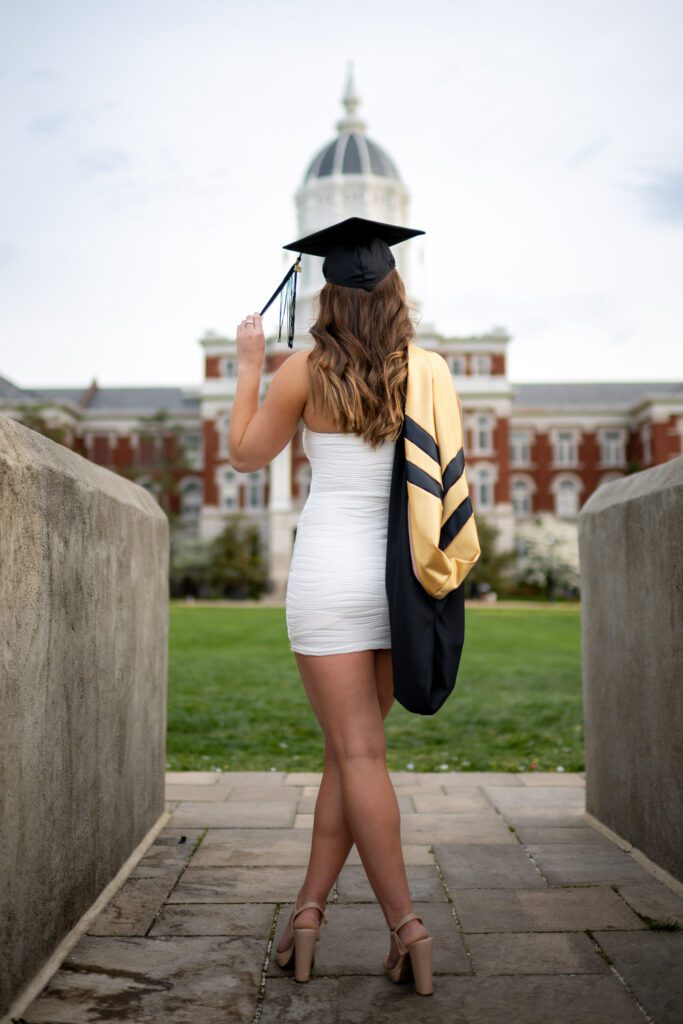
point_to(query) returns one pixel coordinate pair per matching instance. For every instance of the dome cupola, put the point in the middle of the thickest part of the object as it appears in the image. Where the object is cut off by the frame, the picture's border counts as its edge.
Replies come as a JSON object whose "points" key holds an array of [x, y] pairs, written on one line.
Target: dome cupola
{"points": [[352, 152]]}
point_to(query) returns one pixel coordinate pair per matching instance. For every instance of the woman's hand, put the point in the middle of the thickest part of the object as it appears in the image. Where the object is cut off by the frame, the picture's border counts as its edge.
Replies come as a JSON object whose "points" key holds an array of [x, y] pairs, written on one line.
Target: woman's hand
{"points": [[251, 343]]}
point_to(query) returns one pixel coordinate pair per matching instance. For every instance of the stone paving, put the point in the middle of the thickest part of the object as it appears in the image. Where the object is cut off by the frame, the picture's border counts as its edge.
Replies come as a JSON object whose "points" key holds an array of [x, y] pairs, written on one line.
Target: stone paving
{"points": [[537, 916]]}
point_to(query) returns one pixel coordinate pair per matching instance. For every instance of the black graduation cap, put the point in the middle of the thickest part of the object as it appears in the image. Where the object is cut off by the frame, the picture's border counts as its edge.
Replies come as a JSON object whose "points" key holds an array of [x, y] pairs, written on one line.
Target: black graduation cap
{"points": [[356, 253]]}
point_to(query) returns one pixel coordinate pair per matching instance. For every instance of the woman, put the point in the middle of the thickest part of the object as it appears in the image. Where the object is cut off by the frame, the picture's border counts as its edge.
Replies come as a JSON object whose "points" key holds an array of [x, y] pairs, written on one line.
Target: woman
{"points": [[349, 389]]}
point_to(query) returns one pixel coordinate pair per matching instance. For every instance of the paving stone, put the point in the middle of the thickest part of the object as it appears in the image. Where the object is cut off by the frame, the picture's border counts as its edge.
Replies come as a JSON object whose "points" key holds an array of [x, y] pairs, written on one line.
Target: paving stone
{"points": [[563, 863], [212, 980], [245, 919], [248, 847], [133, 908], [237, 885], [471, 799], [459, 779], [537, 799], [425, 885], [544, 817], [423, 790], [409, 779], [280, 792], [193, 778], [576, 908], [651, 963], [184, 792], [167, 856], [487, 866], [260, 814], [582, 834], [550, 778], [303, 778], [653, 899], [276, 779], [535, 953], [287, 1002], [464, 827], [310, 790], [356, 939], [303, 821], [530, 999]]}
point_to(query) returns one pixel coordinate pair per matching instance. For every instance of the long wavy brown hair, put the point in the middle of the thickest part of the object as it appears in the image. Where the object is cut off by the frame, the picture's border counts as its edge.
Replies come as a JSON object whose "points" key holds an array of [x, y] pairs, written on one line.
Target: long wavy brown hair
{"points": [[359, 364]]}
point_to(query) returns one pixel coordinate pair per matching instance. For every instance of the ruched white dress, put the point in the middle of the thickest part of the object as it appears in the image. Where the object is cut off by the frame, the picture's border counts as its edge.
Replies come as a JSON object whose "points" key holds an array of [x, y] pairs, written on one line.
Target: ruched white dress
{"points": [[336, 598]]}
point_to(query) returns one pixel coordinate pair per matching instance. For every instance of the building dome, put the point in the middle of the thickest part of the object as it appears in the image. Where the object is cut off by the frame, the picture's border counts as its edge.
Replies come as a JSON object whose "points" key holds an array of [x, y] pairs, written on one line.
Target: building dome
{"points": [[352, 152]]}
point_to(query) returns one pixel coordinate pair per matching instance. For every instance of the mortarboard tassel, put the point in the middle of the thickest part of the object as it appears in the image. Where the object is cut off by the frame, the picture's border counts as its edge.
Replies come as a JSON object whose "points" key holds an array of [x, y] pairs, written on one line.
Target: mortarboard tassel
{"points": [[287, 292]]}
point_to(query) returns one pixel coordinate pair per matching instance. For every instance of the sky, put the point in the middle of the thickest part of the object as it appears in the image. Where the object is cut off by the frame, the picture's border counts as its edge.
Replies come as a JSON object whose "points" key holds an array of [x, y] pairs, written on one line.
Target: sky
{"points": [[152, 151]]}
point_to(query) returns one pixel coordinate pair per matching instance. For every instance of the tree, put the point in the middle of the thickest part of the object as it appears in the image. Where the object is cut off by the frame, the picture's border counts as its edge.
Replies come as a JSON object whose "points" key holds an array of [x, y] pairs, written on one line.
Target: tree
{"points": [[492, 565], [236, 566], [33, 418], [548, 555]]}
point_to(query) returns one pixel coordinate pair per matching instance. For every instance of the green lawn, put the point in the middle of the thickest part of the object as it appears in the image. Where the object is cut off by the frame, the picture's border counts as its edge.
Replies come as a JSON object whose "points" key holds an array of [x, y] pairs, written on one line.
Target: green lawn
{"points": [[236, 701]]}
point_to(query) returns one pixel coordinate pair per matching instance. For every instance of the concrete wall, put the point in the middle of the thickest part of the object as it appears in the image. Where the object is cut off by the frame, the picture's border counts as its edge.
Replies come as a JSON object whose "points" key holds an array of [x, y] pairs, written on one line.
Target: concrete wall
{"points": [[83, 661], [631, 552]]}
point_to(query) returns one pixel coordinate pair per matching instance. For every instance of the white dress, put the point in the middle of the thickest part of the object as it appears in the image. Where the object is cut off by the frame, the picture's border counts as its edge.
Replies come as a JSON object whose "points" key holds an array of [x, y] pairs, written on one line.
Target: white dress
{"points": [[336, 598]]}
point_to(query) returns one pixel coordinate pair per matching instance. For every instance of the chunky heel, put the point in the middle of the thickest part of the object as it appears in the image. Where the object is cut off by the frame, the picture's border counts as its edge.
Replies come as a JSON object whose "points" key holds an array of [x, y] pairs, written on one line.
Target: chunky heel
{"points": [[414, 958], [301, 952], [304, 949], [420, 953]]}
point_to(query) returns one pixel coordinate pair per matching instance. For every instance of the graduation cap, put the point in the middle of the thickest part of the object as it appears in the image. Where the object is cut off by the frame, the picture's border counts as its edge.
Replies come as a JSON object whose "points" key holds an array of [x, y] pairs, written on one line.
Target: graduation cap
{"points": [[356, 253]]}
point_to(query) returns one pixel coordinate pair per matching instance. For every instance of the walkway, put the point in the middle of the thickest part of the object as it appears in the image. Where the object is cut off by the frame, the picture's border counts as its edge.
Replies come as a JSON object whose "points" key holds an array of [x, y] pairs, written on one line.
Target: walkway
{"points": [[537, 916]]}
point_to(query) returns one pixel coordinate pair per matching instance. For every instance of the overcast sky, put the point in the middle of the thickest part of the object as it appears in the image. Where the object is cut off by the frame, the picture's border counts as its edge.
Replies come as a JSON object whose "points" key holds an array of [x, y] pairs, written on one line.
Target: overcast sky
{"points": [[151, 152]]}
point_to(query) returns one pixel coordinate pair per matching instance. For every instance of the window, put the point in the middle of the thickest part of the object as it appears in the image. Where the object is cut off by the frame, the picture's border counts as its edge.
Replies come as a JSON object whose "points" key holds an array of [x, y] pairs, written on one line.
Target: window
{"points": [[567, 498], [255, 485], [151, 486], [222, 427], [228, 367], [520, 448], [565, 448], [483, 435], [481, 480], [457, 365], [481, 365], [646, 442], [192, 443], [229, 487], [190, 501], [612, 447], [521, 497]]}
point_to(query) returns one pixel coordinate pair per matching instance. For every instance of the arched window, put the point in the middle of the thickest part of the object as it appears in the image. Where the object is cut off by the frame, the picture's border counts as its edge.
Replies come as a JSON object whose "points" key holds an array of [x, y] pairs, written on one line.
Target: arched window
{"points": [[222, 424], [255, 488], [483, 434], [229, 489], [521, 496], [150, 485], [481, 481], [566, 491], [190, 500]]}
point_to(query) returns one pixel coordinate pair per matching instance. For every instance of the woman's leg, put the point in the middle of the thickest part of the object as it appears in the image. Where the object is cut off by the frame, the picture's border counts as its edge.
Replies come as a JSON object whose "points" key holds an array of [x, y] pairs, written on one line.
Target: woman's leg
{"points": [[345, 692], [332, 840]]}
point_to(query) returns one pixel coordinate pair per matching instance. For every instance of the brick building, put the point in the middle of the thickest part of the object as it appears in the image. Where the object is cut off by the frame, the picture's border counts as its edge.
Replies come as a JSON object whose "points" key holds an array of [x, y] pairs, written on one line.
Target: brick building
{"points": [[530, 448]]}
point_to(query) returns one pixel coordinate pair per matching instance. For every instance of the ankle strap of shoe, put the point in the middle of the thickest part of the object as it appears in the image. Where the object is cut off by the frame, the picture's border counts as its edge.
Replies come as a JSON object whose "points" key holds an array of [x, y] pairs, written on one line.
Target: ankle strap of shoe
{"points": [[309, 904], [408, 917]]}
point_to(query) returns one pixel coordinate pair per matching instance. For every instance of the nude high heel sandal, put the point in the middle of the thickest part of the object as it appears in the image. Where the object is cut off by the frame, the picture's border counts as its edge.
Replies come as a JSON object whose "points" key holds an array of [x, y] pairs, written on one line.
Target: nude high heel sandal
{"points": [[414, 958], [302, 949]]}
